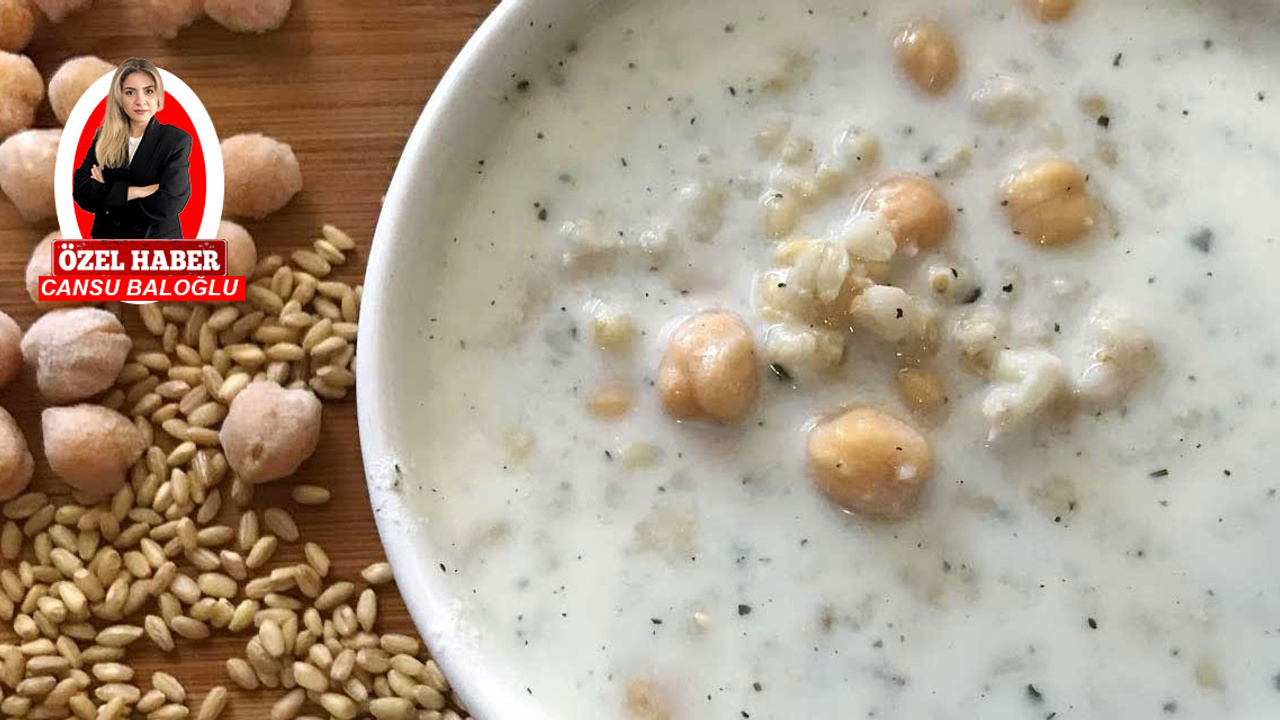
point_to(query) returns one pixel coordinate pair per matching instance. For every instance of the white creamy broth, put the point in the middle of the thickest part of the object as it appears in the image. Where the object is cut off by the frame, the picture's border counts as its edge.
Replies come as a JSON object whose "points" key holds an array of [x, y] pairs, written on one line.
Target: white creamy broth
{"points": [[1109, 562]]}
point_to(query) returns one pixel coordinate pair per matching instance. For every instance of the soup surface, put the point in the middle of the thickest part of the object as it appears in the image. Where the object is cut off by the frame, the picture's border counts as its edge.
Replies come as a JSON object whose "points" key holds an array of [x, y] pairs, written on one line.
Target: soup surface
{"points": [[1088, 348]]}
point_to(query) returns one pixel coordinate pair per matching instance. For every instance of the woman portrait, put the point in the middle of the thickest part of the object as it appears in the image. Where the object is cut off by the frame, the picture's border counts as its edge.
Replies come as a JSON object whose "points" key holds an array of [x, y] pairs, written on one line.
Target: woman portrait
{"points": [[135, 178]]}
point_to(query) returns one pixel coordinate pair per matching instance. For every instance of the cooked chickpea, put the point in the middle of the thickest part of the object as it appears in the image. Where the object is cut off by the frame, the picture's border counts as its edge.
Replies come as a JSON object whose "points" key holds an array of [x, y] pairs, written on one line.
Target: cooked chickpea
{"points": [[76, 352], [70, 81], [17, 25], [90, 447], [709, 369], [611, 328], [642, 702], [168, 17], [870, 463], [270, 431], [927, 55], [16, 464], [26, 171], [21, 90], [58, 10], [612, 400], [242, 252], [1047, 202], [916, 212], [10, 349], [1050, 10], [248, 16], [262, 174], [921, 391]]}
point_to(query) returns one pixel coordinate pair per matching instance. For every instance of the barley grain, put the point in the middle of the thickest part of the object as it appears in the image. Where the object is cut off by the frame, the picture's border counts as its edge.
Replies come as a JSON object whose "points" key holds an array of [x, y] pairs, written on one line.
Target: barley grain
{"points": [[158, 631], [108, 672], [118, 635], [241, 674], [173, 690], [378, 573], [391, 708], [334, 595], [242, 618], [214, 704], [281, 523], [310, 494], [339, 706], [290, 705], [189, 628], [130, 694]]}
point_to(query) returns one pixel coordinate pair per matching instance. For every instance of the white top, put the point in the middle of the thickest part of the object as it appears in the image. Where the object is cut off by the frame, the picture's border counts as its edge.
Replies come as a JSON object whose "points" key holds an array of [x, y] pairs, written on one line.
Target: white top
{"points": [[133, 146]]}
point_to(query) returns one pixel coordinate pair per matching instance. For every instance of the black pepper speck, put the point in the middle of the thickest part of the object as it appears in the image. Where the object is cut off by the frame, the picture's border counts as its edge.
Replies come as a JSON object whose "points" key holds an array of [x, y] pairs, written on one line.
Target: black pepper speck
{"points": [[1202, 240]]}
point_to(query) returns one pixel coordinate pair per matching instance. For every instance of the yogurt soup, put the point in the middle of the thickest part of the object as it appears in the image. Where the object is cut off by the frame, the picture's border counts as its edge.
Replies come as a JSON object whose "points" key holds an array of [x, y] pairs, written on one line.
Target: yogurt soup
{"points": [[867, 359]]}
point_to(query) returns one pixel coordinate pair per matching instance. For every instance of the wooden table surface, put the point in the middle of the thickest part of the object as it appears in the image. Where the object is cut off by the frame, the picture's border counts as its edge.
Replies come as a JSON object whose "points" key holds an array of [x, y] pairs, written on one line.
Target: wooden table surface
{"points": [[342, 82]]}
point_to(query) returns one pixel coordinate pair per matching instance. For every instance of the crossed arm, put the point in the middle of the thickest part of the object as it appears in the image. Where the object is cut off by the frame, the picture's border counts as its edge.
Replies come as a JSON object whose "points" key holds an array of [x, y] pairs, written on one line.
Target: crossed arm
{"points": [[158, 201]]}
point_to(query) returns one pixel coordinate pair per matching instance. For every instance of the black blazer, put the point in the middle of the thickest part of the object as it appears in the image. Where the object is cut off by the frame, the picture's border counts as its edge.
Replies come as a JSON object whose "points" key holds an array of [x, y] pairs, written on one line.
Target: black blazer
{"points": [[163, 157]]}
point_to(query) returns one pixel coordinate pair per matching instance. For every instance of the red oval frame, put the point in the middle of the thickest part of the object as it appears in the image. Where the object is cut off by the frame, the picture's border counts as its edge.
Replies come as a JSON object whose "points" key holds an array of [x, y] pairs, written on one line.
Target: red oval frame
{"points": [[172, 114]]}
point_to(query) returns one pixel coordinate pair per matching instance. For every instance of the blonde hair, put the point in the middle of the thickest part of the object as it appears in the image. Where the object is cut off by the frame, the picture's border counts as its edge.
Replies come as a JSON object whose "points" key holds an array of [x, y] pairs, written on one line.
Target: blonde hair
{"points": [[112, 149]]}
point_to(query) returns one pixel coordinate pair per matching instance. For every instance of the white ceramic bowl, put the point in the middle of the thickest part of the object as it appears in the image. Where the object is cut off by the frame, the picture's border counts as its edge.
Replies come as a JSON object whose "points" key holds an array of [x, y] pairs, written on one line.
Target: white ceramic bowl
{"points": [[452, 131]]}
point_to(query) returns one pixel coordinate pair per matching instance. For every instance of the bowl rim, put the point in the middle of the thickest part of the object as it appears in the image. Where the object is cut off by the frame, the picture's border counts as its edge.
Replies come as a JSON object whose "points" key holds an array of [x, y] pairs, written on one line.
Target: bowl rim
{"points": [[417, 168]]}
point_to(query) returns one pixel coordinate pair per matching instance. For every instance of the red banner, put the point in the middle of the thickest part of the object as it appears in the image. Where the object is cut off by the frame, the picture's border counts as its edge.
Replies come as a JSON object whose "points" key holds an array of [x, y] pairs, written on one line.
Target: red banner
{"points": [[142, 289], [103, 258], [140, 271]]}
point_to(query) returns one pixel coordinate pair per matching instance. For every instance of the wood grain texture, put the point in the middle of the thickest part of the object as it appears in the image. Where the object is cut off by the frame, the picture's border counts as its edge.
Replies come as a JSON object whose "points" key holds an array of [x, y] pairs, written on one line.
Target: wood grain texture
{"points": [[342, 82]]}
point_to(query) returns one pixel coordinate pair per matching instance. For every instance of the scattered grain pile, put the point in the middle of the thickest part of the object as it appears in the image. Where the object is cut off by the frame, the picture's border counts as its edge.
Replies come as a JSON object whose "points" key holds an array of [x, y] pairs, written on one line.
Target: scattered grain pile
{"points": [[176, 551]]}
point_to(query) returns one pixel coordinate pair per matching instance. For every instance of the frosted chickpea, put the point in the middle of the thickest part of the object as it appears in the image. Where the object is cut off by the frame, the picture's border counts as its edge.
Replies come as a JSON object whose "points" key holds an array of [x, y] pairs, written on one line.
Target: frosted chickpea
{"points": [[870, 463], [926, 53], [242, 252], [17, 25], [41, 264], [1047, 202], [10, 349], [16, 464], [262, 175], [26, 170], [916, 212], [21, 90], [76, 353], [248, 16], [70, 81], [270, 431], [709, 369], [58, 10], [90, 447], [1050, 10], [168, 17]]}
